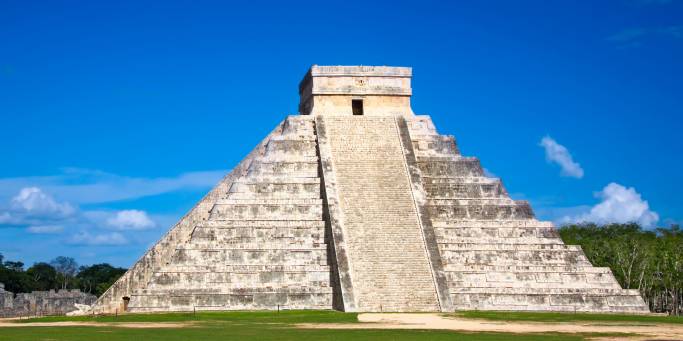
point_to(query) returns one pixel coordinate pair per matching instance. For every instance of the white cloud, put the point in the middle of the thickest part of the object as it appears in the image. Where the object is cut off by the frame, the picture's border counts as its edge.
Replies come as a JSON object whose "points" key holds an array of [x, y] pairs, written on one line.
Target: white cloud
{"points": [[32, 206], [618, 205], [557, 153], [33, 201], [85, 238], [40, 213], [45, 229], [131, 220], [84, 186]]}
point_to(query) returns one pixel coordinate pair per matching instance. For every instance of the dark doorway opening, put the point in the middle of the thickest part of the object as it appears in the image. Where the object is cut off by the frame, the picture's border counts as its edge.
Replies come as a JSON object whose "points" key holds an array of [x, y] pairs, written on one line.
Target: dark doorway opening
{"points": [[126, 300], [357, 106]]}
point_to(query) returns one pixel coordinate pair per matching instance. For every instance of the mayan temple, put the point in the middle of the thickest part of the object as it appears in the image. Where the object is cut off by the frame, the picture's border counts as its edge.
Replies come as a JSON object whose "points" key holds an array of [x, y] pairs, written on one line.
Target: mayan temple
{"points": [[357, 204]]}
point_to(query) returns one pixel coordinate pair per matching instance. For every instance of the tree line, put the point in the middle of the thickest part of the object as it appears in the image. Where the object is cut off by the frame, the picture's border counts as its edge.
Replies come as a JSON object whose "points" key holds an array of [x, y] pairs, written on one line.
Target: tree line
{"points": [[59, 273], [648, 260]]}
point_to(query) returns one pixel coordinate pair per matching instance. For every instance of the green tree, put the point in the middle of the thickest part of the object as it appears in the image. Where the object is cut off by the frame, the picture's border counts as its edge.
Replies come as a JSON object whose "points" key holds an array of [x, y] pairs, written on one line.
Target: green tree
{"points": [[648, 260], [43, 276], [13, 276], [98, 278], [66, 269]]}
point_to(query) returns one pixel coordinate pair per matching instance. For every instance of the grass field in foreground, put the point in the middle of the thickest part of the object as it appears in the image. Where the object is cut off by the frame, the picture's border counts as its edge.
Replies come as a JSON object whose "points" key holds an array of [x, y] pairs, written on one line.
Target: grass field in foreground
{"points": [[242, 326], [566, 317]]}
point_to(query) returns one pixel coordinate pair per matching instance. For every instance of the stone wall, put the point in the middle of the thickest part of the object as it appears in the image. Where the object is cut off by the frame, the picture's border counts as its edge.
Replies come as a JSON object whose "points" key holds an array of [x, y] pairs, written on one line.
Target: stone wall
{"points": [[42, 302]]}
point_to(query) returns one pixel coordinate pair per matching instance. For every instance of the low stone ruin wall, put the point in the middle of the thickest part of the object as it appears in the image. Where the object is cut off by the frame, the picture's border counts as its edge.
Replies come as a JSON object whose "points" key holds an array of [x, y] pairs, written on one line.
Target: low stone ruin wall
{"points": [[40, 303]]}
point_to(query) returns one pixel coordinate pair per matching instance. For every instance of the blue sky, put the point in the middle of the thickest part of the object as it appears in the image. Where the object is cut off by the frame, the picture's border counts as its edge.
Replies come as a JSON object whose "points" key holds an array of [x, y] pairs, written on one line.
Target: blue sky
{"points": [[116, 117]]}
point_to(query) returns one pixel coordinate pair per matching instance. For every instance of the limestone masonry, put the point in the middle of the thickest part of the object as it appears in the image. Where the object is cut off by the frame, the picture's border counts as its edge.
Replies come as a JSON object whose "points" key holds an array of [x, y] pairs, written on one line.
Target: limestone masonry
{"points": [[42, 302], [357, 204]]}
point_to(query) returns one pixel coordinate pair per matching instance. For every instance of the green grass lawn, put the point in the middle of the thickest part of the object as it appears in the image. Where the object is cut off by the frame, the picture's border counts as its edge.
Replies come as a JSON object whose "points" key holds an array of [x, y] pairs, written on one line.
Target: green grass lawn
{"points": [[255, 317], [566, 317], [242, 326]]}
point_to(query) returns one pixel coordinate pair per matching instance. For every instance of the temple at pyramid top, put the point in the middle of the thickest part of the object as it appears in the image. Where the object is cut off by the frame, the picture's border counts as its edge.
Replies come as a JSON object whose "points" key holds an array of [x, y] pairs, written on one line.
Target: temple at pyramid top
{"points": [[356, 90]]}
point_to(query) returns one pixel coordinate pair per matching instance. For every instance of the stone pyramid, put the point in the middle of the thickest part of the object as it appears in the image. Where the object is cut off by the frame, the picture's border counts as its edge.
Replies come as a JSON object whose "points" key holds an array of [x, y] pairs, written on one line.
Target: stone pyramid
{"points": [[357, 204]]}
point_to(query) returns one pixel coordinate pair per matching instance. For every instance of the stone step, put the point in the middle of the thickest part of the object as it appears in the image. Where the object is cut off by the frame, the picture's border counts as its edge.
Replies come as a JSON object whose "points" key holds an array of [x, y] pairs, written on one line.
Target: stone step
{"points": [[260, 236], [255, 244], [478, 209], [231, 307], [581, 284], [550, 268], [481, 246], [284, 157], [297, 124], [297, 168], [547, 291], [457, 167], [262, 224], [301, 136], [520, 258], [532, 280], [245, 202], [447, 239], [231, 280], [173, 268], [250, 257], [294, 145], [246, 189], [475, 202], [256, 247], [460, 180], [245, 290], [502, 233], [267, 209], [246, 184], [493, 224], [579, 301], [283, 179], [420, 124], [234, 301], [277, 194], [426, 145], [479, 189]]}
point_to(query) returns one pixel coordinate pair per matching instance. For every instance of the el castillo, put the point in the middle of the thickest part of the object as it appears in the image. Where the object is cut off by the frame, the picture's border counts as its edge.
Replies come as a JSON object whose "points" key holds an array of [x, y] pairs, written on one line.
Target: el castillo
{"points": [[359, 205], [331, 171]]}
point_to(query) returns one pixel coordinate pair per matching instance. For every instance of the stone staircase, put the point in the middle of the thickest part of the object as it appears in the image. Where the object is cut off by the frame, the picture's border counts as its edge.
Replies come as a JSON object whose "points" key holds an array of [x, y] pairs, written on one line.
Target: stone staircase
{"points": [[495, 255], [388, 263], [263, 243]]}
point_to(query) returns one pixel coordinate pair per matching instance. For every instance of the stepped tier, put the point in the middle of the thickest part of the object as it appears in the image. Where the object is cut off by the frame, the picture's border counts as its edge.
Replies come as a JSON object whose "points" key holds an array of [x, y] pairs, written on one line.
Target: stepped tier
{"points": [[260, 242], [495, 255]]}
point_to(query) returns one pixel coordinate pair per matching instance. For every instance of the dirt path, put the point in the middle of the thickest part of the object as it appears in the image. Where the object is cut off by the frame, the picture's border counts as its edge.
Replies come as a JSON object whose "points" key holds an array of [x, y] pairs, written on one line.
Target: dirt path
{"points": [[438, 321], [10, 324]]}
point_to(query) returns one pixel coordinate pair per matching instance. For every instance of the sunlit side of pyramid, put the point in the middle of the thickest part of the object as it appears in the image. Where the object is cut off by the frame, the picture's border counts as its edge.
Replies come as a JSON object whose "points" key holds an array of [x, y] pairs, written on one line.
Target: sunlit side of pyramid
{"points": [[357, 204]]}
